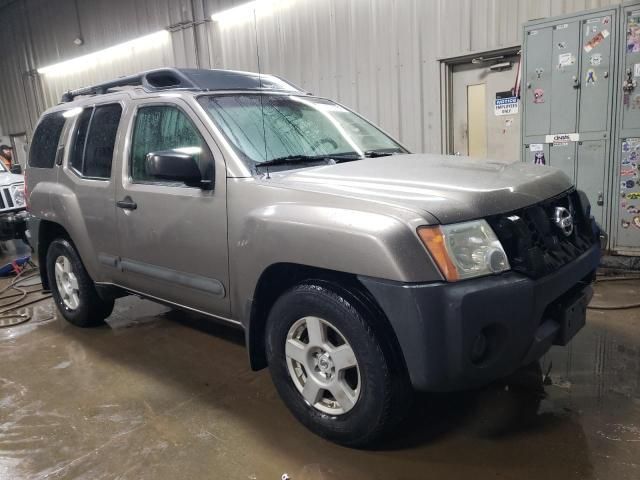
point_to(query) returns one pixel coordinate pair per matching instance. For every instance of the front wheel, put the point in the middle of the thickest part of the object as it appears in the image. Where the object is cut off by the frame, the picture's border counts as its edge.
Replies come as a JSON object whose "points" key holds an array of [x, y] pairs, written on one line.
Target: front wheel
{"points": [[330, 368], [72, 288]]}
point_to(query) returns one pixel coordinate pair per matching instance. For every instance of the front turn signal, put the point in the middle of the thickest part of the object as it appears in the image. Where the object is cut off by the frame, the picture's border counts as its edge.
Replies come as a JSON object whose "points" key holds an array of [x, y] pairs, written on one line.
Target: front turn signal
{"points": [[433, 239]]}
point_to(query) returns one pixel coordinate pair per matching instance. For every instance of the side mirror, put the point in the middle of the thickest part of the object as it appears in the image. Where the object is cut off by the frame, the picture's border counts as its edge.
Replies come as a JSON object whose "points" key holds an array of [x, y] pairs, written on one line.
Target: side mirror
{"points": [[17, 169], [177, 166]]}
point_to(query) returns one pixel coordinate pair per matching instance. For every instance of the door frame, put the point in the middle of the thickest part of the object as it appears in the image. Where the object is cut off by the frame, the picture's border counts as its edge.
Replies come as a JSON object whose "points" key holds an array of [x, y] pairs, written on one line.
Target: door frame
{"points": [[446, 89], [14, 146]]}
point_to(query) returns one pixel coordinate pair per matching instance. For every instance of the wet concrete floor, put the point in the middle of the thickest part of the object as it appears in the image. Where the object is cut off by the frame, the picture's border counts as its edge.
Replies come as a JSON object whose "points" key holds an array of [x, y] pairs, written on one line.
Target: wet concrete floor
{"points": [[161, 394]]}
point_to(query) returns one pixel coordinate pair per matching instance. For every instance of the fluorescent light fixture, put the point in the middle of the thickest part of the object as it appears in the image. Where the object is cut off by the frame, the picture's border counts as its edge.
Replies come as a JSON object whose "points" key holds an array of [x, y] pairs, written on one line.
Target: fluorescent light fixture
{"points": [[245, 12], [122, 50]]}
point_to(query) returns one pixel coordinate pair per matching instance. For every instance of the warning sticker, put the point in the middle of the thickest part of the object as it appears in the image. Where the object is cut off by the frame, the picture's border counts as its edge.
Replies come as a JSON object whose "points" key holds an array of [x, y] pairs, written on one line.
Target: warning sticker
{"points": [[566, 59], [536, 147], [506, 106]]}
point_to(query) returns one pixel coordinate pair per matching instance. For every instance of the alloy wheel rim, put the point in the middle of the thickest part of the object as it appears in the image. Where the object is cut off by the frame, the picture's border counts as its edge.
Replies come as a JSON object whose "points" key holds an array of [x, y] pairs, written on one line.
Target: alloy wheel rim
{"points": [[67, 283], [322, 366]]}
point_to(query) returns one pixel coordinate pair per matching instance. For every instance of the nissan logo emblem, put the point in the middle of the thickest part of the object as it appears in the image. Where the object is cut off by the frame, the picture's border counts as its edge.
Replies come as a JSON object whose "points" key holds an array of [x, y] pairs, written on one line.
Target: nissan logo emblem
{"points": [[563, 220]]}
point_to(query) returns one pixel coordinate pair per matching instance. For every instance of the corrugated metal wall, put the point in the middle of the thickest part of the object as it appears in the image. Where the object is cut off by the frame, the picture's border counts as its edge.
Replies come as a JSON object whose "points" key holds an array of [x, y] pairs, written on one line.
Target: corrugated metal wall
{"points": [[377, 56]]}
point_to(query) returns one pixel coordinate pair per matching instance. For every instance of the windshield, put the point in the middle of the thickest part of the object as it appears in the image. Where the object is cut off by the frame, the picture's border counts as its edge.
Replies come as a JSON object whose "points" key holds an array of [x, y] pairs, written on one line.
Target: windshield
{"points": [[293, 126]]}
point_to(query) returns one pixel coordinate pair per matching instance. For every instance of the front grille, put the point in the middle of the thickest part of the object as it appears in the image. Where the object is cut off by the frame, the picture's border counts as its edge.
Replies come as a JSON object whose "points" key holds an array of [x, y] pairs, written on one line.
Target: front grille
{"points": [[6, 201], [535, 245]]}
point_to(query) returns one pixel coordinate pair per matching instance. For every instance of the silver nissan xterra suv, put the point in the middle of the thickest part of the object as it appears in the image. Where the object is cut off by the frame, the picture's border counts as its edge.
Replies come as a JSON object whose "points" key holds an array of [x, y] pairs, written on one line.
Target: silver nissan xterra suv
{"points": [[358, 271]]}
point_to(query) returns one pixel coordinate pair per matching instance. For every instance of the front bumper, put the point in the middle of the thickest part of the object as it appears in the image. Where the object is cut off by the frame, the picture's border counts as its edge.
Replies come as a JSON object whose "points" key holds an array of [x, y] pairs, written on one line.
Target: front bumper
{"points": [[437, 324], [13, 225]]}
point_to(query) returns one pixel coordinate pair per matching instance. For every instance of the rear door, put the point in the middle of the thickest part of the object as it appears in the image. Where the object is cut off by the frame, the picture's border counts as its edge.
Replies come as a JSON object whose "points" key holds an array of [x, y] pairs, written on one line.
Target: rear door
{"points": [[87, 172], [173, 238]]}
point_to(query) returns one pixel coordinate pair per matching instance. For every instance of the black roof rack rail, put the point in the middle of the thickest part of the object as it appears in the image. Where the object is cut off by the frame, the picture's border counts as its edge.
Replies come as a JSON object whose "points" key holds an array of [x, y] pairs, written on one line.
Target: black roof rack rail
{"points": [[189, 79], [159, 79]]}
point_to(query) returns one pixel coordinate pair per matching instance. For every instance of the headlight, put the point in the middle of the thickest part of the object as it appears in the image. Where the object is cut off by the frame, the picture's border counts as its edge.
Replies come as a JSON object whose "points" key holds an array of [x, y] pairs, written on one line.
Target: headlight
{"points": [[17, 193], [465, 250]]}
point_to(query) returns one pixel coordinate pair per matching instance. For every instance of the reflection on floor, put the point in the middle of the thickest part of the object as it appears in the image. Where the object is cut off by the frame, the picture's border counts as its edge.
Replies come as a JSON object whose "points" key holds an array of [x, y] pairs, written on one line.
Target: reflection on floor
{"points": [[161, 394]]}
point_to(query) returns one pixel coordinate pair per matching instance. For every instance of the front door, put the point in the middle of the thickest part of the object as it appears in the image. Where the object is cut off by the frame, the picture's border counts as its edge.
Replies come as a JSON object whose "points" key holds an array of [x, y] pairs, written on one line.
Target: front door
{"points": [[485, 121], [173, 237]]}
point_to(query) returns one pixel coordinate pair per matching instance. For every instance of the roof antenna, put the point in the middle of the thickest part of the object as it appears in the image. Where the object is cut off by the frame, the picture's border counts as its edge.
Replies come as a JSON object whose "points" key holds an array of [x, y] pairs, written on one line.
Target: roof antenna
{"points": [[264, 129]]}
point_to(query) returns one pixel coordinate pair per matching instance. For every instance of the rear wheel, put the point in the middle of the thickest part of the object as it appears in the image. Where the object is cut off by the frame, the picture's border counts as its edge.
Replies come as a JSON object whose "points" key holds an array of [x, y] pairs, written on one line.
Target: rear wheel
{"points": [[331, 369], [72, 289]]}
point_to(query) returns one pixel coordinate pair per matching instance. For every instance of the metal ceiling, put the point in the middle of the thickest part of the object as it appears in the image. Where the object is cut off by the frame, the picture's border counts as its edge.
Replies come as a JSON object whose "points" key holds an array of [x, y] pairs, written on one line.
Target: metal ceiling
{"points": [[377, 56]]}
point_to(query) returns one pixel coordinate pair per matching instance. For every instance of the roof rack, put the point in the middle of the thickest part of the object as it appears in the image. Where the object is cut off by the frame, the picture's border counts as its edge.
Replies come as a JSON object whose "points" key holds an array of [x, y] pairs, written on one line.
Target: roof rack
{"points": [[153, 80], [188, 79]]}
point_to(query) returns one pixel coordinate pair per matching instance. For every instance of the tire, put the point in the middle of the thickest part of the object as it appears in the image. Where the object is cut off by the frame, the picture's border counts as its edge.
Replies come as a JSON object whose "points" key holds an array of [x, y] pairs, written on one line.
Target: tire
{"points": [[84, 307], [379, 396]]}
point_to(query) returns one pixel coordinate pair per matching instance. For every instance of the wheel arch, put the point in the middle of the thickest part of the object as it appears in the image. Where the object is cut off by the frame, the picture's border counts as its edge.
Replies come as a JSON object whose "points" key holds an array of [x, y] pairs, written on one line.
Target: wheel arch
{"points": [[47, 232], [280, 277]]}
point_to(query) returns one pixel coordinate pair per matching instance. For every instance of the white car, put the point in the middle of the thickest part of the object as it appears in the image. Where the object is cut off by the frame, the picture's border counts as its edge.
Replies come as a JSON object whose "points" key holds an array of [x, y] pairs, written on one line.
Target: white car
{"points": [[13, 206]]}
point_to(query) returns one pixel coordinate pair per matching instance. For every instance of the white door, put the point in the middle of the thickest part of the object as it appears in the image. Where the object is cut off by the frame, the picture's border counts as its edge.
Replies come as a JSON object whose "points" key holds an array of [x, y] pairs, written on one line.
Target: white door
{"points": [[484, 122]]}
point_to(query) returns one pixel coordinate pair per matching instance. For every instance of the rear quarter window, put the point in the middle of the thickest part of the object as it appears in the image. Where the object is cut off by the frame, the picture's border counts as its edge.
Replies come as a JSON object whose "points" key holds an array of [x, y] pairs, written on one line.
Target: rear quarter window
{"points": [[98, 151], [45, 141], [94, 141]]}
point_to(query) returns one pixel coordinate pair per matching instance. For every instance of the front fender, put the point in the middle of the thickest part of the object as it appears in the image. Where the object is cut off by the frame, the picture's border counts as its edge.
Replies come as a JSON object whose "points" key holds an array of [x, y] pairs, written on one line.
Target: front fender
{"points": [[334, 238]]}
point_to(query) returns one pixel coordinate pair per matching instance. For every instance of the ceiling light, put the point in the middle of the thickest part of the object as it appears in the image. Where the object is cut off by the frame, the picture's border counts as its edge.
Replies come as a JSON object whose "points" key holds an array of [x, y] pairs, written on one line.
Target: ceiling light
{"points": [[246, 12], [122, 50]]}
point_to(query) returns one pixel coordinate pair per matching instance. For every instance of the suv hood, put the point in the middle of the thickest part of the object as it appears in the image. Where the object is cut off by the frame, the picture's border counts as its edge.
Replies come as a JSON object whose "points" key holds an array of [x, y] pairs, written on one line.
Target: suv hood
{"points": [[450, 188], [7, 178]]}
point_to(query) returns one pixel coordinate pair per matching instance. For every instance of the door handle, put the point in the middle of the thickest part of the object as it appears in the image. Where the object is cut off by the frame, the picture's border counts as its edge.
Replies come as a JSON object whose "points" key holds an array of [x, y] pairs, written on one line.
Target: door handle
{"points": [[600, 200], [127, 203]]}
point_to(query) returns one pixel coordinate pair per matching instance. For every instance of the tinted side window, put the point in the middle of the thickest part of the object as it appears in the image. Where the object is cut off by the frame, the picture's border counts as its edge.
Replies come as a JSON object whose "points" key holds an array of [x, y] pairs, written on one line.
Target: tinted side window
{"points": [[160, 128], [98, 152], [45, 141], [95, 136], [77, 151]]}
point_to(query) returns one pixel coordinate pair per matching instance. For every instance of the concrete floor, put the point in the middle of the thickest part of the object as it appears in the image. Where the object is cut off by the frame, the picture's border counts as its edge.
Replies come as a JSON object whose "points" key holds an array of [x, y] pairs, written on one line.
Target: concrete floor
{"points": [[160, 394]]}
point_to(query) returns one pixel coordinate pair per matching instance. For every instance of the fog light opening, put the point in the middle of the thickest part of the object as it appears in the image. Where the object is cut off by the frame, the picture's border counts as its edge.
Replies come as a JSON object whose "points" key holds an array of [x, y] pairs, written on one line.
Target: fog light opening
{"points": [[479, 348], [487, 344]]}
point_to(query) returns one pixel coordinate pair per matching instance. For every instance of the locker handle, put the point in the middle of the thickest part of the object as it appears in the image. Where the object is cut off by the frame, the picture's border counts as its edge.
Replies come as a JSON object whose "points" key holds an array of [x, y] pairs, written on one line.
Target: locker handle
{"points": [[629, 83], [600, 201]]}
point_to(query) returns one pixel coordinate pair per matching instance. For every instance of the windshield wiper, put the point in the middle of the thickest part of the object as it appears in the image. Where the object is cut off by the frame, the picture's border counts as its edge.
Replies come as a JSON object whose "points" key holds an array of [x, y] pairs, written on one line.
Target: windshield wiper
{"points": [[339, 157], [382, 152], [291, 159]]}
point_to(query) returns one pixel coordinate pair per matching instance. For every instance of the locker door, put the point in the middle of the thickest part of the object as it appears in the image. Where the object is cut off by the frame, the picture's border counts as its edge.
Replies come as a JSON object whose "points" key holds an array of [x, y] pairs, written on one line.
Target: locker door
{"points": [[562, 156], [628, 228], [631, 71], [591, 174], [564, 78], [595, 104], [538, 82], [536, 153]]}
